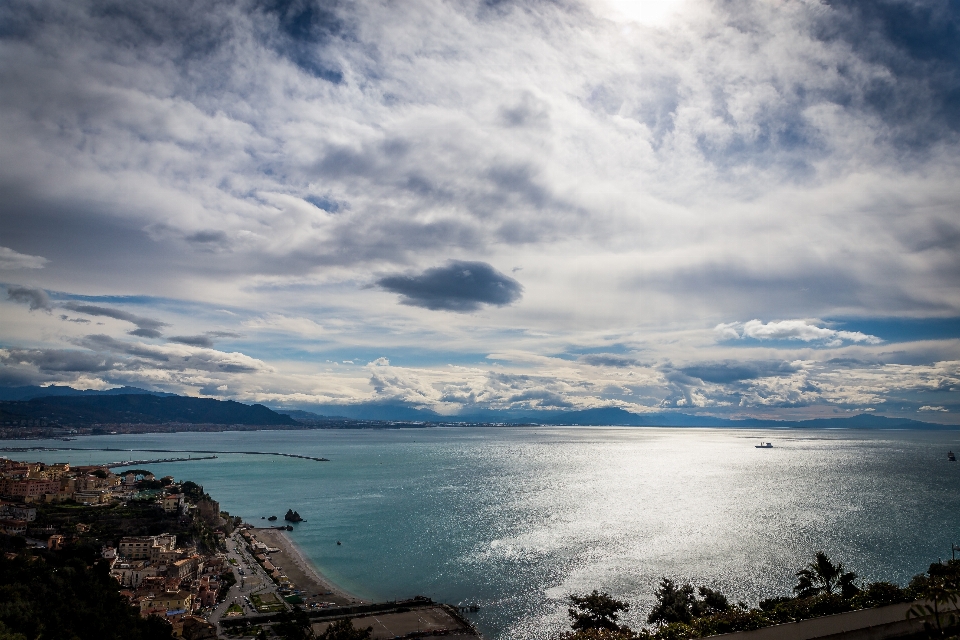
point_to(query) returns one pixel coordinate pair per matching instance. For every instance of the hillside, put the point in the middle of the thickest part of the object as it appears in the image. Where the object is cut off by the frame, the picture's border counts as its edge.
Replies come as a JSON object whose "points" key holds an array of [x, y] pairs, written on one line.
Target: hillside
{"points": [[138, 409]]}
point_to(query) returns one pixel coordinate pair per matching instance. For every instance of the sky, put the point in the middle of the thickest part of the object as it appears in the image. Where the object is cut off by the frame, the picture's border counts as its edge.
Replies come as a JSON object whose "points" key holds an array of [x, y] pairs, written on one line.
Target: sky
{"points": [[742, 208]]}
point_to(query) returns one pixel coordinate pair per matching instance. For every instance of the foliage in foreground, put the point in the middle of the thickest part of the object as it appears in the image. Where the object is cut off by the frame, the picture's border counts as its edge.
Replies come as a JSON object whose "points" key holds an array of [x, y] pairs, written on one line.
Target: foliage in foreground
{"points": [[683, 611], [344, 630], [60, 595]]}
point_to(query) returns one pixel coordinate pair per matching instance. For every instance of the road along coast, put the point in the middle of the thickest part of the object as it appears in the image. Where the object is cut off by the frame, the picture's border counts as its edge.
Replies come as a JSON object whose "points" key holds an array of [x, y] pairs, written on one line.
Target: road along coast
{"points": [[291, 562], [325, 602]]}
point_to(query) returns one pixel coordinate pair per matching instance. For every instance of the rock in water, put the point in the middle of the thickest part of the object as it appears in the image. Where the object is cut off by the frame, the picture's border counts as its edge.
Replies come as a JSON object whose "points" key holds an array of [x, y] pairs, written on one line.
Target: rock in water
{"points": [[292, 516]]}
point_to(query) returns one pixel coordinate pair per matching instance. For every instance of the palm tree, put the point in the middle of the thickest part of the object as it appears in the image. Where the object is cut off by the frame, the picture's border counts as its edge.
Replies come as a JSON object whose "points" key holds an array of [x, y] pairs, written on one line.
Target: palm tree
{"points": [[823, 577]]}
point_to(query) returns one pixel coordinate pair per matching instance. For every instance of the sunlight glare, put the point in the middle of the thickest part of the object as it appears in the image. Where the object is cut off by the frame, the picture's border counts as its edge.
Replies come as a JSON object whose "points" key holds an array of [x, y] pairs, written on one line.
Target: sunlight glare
{"points": [[648, 12]]}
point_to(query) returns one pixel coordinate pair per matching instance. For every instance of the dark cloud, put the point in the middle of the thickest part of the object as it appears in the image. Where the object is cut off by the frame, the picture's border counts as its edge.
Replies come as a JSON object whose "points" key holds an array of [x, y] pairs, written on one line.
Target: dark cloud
{"points": [[193, 341], [223, 334], [608, 360], [205, 340], [146, 327], [528, 112], [145, 333], [36, 298], [56, 360], [457, 286], [725, 372], [851, 363], [207, 237], [186, 30], [164, 359], [20, 376], [100, 342]]}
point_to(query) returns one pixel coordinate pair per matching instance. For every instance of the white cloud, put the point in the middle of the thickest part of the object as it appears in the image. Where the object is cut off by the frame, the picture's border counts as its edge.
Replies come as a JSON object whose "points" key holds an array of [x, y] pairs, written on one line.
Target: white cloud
{"points": [[803, 330], [10, 259], [287, 324], [927, 407]]}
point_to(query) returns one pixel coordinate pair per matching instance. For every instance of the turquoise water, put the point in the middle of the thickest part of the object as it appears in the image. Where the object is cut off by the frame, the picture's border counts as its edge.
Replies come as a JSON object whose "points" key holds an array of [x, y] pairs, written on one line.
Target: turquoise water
{"points": [[514, 519]]}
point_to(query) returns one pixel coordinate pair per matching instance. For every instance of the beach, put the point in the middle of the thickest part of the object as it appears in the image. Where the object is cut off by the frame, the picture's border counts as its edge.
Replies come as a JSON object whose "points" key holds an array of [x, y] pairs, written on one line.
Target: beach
{"points": [[301, 572]]}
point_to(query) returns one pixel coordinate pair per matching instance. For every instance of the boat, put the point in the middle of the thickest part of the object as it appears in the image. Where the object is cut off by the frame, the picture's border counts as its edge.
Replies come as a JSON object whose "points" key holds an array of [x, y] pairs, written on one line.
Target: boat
{"points": [[764, 445], [951, 457]]}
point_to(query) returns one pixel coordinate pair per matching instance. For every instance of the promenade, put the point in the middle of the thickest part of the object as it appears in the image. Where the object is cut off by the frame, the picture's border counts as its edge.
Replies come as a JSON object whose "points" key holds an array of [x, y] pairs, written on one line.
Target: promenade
{"points": [[323, 600]]}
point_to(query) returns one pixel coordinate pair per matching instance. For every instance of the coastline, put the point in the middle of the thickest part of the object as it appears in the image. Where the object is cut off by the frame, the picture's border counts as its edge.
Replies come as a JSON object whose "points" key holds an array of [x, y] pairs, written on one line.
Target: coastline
{"points": [[304, 573]]}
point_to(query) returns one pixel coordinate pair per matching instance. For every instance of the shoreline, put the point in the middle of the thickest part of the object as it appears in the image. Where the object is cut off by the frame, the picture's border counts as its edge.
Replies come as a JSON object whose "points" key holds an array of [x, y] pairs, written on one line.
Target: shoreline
{"points": [[311, 580]]}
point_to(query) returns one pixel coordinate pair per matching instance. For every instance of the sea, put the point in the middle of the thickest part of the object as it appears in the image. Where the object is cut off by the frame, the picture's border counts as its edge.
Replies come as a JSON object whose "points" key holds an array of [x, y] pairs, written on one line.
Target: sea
{"points": [[515, 520]]}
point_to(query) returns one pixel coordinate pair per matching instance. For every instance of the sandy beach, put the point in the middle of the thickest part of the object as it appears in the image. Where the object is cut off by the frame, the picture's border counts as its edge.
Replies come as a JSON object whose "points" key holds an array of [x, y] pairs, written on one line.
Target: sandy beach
{"points": [[301, 571]]}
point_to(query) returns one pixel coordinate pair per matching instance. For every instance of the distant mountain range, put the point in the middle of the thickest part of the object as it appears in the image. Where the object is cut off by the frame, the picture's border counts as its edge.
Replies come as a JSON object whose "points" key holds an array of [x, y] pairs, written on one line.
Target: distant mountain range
{"points": [[29, 393], [131, 405], [606, 416], [137, 408]]}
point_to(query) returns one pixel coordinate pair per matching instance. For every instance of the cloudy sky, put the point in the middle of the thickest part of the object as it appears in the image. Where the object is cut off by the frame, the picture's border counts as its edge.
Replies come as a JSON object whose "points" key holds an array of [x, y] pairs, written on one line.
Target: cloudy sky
{"points": [[736, 208]]}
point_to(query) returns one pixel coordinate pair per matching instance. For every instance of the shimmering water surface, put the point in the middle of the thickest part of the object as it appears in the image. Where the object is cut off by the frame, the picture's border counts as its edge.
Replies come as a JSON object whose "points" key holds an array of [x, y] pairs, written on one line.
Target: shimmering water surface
{"points": [[515, 519]]}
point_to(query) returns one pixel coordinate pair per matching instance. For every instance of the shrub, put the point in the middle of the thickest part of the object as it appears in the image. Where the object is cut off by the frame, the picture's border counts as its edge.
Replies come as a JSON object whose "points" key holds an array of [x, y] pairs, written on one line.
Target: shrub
{"points": [[879, 594]]}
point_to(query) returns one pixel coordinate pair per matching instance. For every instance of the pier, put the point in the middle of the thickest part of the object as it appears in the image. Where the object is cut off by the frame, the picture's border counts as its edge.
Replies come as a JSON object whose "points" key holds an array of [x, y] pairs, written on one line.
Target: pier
{"points": [[131, 463]]}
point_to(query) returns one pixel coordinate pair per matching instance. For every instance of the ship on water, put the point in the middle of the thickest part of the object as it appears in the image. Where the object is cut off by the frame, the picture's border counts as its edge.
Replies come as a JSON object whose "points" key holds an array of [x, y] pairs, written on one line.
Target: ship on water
{"points": [[764, 445]]}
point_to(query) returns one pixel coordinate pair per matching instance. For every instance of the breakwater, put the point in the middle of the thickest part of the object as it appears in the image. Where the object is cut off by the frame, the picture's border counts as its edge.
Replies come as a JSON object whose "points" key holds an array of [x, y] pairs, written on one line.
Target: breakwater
{"points": [[131, 463], [215, 453]]}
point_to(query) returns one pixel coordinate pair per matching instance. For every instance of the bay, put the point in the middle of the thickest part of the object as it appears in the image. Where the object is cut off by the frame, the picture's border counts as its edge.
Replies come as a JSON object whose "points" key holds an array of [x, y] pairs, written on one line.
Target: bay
{"points": [[516, 519]]}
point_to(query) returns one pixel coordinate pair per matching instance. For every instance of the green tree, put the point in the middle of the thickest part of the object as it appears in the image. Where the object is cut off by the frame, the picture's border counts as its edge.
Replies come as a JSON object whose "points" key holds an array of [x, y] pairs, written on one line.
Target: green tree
{"points": [[59, 595], [606, 634], [344, 630], [879, 594], [711, 603], [193, 492], [7, 634], [823, 577], [674, 603], [595, 611], [679, 603], [940, 601], [293, 625]]}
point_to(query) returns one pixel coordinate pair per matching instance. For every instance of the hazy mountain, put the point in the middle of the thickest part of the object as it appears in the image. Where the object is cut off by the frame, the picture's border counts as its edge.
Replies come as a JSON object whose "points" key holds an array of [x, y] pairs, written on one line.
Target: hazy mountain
{"points": [[139, 408], [28, 393], [605, 416]]}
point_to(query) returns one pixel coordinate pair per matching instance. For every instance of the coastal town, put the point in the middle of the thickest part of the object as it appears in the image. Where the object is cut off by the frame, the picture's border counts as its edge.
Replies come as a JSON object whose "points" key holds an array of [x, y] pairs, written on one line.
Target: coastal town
{"points": [[173, 556]]}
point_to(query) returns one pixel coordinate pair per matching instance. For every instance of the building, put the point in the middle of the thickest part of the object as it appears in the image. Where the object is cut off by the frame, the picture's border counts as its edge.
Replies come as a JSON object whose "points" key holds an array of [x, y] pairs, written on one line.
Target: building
{"points": [[183, 568], [56, 471], [173, 503], [168, 601], [93, 496], [132, 574], [13, 527], [146, 547], [32, 488], [18, 511]]}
